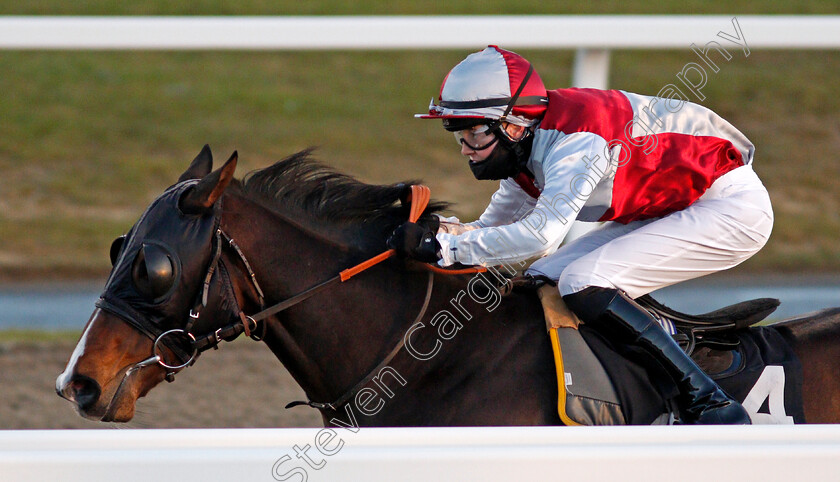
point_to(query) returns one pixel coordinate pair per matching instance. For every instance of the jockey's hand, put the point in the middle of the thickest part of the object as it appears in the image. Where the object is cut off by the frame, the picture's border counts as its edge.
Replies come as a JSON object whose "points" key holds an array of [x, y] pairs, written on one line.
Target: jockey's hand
{"points": [[414, 241]]}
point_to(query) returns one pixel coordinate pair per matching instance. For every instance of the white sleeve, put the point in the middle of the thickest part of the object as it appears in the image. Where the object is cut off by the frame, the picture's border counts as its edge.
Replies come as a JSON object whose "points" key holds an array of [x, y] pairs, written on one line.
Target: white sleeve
{"points": [[453, 225], [570, 177], [508, 204]]}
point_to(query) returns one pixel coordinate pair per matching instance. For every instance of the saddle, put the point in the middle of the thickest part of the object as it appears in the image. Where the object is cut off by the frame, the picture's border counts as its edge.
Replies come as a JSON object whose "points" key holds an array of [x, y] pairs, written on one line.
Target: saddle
{"points": [[713, 329]]}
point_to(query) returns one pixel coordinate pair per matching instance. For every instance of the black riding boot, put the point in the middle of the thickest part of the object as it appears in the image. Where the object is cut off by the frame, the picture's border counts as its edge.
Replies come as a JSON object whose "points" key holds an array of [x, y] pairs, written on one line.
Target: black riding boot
{"points": [[623, 322]]}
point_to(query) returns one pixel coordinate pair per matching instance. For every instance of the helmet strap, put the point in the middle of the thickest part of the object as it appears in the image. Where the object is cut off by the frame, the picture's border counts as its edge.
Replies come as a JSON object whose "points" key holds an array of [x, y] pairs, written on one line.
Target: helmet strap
{"points": [[515, 96], [498, 122]]}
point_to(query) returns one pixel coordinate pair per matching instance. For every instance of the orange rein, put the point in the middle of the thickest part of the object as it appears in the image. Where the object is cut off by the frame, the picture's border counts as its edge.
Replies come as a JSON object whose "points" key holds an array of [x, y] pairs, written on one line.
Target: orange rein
{"points": [[419, 198]]}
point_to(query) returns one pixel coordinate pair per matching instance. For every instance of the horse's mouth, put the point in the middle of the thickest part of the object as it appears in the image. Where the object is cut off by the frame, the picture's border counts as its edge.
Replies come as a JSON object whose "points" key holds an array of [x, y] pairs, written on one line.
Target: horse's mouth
{"points": [[116, 409], [118, 398], [123, 399], [116, 406]]}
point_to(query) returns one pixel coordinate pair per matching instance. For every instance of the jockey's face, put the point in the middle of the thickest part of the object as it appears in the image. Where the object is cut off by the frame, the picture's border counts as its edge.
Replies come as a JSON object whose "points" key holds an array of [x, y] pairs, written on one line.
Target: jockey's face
{"points": [[477, 144]]}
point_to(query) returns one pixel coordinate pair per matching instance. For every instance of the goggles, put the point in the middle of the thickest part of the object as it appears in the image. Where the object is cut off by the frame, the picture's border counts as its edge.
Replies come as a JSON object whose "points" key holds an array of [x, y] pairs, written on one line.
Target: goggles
{"points": [[476, 138]]}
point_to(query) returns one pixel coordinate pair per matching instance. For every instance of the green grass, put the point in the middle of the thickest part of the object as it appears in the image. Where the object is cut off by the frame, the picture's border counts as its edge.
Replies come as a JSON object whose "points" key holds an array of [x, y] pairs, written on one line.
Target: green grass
{"points": [[89, 138]]}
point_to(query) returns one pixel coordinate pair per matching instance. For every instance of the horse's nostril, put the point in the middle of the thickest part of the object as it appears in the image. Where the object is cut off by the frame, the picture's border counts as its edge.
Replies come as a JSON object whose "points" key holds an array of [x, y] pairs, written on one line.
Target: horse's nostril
{"points": [[84, 391]]}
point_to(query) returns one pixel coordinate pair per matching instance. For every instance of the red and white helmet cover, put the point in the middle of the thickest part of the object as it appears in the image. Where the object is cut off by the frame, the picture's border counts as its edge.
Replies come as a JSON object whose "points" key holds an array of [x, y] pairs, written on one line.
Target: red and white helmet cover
{"points": [[482, 85]]}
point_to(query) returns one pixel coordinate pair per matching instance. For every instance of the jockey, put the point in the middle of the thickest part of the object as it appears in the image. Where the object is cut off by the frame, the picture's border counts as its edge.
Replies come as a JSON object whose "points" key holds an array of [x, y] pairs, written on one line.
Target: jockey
{"points": [[671, 180]]}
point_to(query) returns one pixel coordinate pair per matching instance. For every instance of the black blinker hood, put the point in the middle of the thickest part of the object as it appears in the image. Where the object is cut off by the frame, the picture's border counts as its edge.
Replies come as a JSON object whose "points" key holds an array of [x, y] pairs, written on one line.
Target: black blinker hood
{"points": [[188, 239]]}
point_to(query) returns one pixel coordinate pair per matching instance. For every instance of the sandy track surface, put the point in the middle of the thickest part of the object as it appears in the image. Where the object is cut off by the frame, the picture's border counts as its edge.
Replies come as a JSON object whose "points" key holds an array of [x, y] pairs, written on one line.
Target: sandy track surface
{"points": [[240, 385]]}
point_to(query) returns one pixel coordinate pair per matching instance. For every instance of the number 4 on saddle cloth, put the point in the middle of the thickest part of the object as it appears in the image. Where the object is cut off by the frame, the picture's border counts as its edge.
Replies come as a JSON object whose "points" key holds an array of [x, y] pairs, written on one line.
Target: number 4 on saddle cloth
{"points": [[599, 386]]}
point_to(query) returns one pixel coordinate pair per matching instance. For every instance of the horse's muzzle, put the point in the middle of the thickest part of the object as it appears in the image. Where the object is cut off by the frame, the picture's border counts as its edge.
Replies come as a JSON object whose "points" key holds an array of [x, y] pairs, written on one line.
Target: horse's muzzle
{"points": [[81, 390]]}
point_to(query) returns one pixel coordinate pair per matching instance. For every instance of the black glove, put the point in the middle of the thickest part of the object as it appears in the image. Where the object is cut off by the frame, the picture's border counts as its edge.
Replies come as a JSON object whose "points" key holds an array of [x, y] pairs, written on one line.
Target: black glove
{"points": [[414, 241]]}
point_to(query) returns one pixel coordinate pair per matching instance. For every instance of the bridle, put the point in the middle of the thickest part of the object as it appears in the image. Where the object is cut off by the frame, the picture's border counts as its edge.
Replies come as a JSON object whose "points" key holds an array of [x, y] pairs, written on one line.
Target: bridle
{"points": [[250, 324], [197, 345]]}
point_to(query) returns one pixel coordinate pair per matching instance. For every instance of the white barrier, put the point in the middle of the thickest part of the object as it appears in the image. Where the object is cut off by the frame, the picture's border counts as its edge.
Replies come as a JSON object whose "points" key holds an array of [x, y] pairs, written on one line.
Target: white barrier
{"points": [[413, 32], [759, 453]]}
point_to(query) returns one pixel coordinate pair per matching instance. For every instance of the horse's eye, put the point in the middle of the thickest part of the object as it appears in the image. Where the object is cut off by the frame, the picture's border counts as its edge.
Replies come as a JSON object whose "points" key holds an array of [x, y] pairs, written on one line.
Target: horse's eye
{"points": [[116, 248], [153, 271]]}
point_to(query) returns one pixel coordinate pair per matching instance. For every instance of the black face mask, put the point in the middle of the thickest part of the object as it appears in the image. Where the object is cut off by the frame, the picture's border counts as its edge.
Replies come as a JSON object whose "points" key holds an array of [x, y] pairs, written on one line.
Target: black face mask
{"points": [[498, 165], [507, 159]]}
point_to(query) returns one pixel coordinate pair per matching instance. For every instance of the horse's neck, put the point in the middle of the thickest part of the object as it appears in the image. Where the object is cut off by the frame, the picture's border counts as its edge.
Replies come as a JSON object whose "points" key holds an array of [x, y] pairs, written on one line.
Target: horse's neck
{"points": [[331, 339], [285, 257]]}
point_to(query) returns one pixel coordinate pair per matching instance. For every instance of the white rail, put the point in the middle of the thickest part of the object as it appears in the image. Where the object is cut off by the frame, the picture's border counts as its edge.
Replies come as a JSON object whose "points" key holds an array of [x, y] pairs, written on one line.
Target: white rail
{"points": [[413, 32], [761, 453]]}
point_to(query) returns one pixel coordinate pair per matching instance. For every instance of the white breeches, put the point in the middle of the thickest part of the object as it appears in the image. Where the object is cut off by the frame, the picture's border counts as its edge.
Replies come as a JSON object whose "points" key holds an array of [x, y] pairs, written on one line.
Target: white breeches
{"points": [[727, 225]]}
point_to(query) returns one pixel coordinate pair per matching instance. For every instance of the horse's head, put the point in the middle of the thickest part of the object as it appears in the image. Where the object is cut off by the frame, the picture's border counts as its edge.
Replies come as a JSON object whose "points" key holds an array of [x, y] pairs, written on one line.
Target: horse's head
{"points": [[138, 334]]}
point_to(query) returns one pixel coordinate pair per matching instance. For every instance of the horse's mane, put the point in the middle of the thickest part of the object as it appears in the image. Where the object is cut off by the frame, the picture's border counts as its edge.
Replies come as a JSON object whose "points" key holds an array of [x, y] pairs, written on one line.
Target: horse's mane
{"points": [[300, 186]]}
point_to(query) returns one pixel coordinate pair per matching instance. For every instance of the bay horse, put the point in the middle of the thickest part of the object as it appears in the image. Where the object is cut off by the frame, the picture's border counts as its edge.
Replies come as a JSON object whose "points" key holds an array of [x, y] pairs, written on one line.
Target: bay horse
{"points": [[394, 346]]}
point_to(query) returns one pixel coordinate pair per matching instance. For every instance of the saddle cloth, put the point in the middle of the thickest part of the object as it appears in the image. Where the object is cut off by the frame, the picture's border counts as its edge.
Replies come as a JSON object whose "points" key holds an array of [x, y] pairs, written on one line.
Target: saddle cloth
{"points": [[597, 386]]}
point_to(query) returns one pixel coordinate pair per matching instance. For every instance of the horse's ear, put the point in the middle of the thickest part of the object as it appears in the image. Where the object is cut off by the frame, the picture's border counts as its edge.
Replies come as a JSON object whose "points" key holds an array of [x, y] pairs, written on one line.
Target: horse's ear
{"points": [[202, 197], [200, 166]]}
